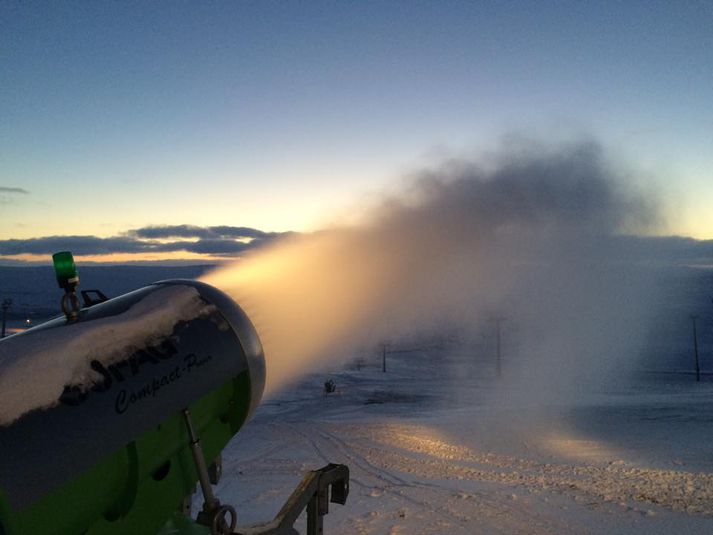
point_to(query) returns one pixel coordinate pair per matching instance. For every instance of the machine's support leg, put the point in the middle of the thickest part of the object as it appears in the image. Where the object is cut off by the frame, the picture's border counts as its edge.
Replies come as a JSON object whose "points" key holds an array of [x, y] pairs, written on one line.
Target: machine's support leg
{"points": [[213, 514], [201, 467]]}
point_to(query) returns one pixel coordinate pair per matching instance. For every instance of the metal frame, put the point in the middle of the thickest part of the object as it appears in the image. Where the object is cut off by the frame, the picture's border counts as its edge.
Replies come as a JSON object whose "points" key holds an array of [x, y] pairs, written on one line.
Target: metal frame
{"points": [[313, 493]]}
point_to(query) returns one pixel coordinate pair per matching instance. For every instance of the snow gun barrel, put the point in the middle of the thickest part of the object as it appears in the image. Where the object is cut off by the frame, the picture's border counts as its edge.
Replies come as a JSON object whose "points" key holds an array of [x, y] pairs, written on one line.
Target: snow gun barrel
{"points": [[108, 420]]}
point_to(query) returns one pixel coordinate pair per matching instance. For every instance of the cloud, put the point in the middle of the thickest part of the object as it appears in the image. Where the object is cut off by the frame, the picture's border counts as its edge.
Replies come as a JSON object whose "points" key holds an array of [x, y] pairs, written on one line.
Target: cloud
{"points": [[21, 191], [191, 231], [80, 245], [214, 241], [6, 193], [672, 249], [224, 241]]}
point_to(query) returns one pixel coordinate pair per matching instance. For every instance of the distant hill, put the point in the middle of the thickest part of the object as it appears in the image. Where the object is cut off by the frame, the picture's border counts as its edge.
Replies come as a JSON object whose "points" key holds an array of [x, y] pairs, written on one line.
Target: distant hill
{"points": [[34, 290], [681, 292]]}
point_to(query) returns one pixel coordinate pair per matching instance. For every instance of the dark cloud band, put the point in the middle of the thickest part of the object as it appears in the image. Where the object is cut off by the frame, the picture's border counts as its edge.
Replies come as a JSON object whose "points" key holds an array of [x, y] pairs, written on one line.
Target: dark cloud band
{"points": [[190, 231], [665, 249], [216, 241], [21, 191]]}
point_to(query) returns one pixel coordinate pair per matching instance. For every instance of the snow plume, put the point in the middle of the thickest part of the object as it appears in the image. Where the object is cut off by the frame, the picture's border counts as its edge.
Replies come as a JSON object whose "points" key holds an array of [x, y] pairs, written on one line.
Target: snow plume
{"points": [[528, 234]]}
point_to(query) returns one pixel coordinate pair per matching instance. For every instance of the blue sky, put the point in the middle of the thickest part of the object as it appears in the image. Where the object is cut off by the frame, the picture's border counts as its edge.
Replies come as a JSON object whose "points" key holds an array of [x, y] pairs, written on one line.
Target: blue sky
{"points": [[281, 116]]}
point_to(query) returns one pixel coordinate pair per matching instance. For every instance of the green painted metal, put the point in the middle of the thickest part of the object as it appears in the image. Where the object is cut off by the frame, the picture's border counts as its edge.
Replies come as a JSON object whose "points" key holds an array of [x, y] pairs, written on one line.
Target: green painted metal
{"points": [[138, 489], [180, 524], [65, 269]]}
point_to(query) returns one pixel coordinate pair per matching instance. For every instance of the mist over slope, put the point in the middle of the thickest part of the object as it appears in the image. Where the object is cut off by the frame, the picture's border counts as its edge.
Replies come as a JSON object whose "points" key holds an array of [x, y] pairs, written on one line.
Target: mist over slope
{"points": [[532, 234]]}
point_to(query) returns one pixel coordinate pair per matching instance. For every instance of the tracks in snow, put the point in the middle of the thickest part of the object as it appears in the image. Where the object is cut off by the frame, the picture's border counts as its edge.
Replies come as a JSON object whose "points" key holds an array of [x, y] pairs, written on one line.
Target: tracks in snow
{"points": [[409, 449], [406, 474], [442, 506]]}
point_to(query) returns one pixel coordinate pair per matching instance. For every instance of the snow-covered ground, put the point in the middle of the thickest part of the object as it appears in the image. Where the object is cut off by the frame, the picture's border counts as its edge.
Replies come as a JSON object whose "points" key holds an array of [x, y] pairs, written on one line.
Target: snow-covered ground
{"points": [[439, 445], [432, 448]]}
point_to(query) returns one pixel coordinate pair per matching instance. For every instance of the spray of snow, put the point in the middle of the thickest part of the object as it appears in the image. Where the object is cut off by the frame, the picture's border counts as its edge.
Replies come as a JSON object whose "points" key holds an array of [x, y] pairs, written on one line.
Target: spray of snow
{"points": [[35, 367], [530, 235]]}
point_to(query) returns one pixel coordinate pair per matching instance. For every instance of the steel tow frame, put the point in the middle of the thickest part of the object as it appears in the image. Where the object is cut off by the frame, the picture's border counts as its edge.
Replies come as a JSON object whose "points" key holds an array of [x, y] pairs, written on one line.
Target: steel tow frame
{"points": [[315, 491]]}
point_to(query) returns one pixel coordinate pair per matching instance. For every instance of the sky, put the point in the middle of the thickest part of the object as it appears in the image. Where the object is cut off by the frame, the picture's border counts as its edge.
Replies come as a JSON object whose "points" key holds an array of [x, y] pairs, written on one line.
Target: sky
{"points": [[117, 117]]}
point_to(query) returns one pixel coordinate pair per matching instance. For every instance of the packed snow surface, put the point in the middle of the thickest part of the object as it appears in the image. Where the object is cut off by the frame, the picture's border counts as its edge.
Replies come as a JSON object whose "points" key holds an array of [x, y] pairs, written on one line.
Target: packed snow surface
{"points": [[436, 445], [36, 366]]}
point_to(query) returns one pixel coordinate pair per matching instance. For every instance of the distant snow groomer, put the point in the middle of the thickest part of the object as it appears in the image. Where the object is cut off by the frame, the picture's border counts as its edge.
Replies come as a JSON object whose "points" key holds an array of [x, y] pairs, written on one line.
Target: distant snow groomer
{"points": [[101, 411]]}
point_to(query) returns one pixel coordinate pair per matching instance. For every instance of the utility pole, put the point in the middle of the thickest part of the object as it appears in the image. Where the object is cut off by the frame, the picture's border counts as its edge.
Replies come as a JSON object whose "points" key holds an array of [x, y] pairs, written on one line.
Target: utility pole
{"points": [[6, 304], [498, 346], [695, 348], [383, 358]]}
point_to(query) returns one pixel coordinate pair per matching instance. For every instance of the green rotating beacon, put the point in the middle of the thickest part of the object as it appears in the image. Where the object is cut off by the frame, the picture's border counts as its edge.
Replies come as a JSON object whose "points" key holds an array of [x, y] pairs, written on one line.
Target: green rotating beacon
{"points": [[111, 413]]}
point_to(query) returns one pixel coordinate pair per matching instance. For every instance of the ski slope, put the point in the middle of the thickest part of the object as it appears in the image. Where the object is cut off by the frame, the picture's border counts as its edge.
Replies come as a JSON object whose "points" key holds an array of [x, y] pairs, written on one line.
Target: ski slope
{"points": [[433, 448]]}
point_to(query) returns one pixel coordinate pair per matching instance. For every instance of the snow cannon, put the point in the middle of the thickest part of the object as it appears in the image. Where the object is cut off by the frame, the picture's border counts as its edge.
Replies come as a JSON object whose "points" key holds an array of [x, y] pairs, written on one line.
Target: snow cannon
{"points": [[110, 414]]}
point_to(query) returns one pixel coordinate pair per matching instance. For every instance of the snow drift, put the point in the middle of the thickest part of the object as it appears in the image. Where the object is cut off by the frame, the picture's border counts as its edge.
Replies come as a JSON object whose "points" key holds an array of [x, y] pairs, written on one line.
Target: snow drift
{"points": [[37, 365]]}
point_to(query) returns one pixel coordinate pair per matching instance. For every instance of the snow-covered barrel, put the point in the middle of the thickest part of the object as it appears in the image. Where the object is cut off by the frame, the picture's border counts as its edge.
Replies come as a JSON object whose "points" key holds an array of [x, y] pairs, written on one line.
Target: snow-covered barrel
{"points": [[92, 438]]}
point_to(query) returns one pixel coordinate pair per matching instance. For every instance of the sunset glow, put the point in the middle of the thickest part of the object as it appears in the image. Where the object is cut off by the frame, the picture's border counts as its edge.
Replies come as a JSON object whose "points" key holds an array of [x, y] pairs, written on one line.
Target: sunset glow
{"points": [[236, 114]]}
